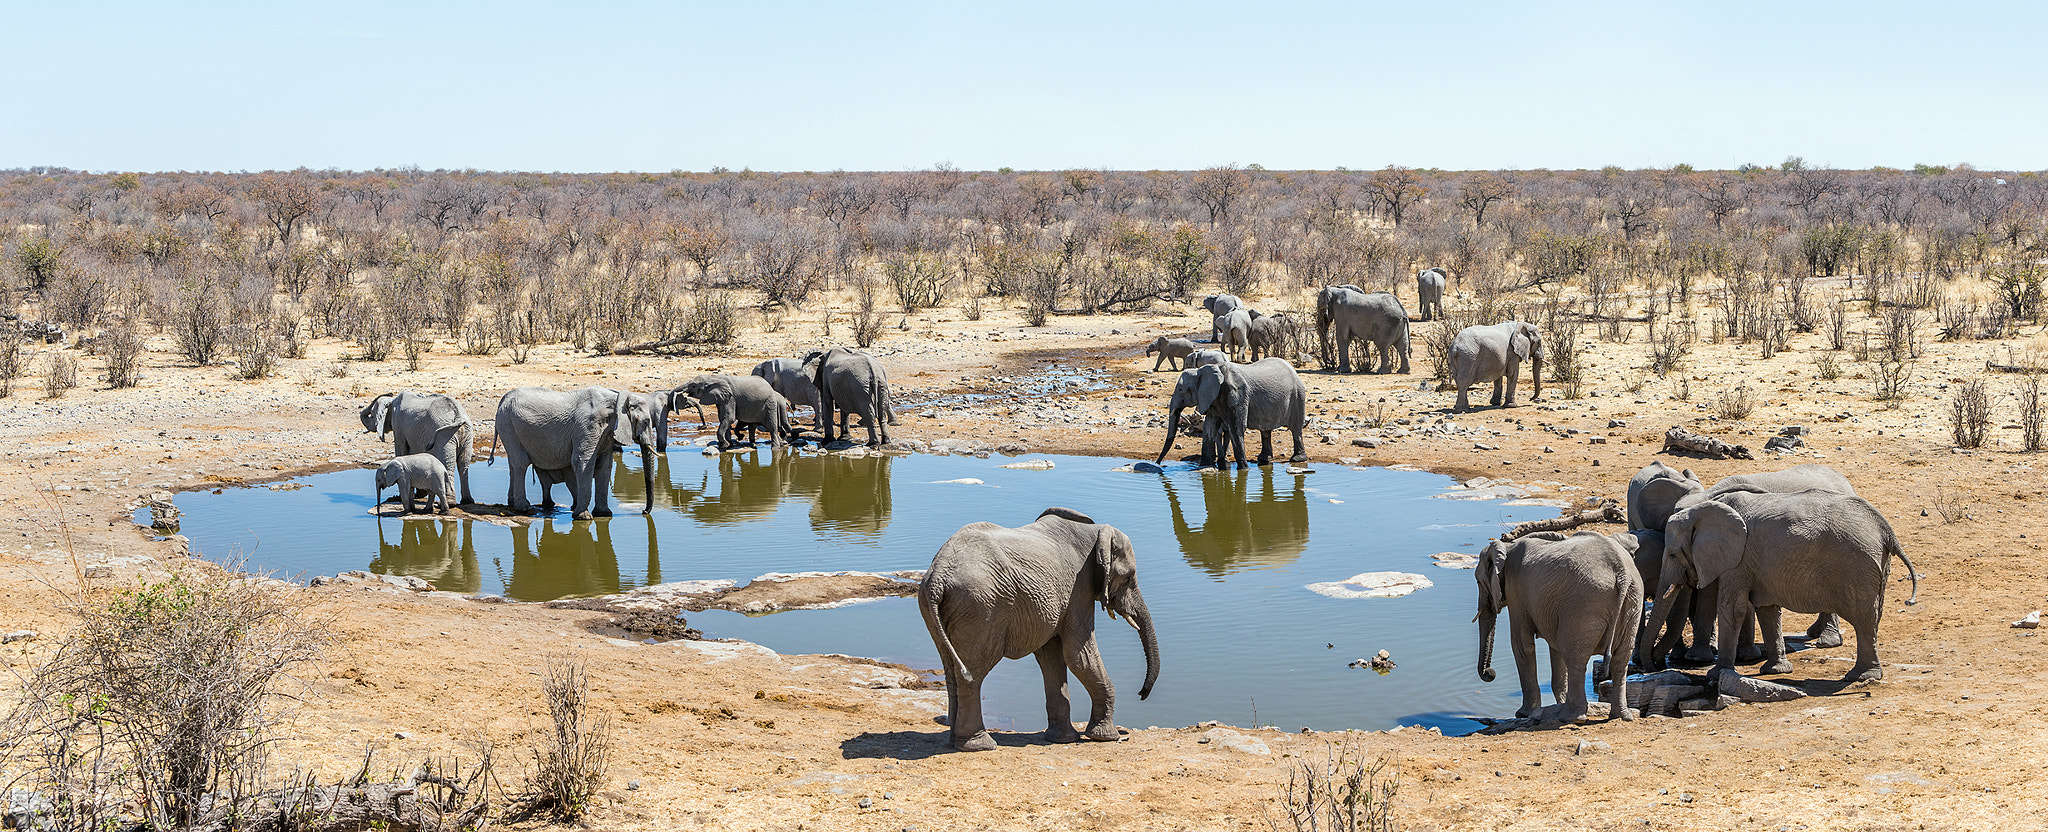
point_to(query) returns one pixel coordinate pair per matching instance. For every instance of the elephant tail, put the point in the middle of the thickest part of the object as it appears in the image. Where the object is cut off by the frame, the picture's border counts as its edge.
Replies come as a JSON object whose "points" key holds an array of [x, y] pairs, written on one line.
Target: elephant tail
{"points": [[1892, 548], [928, 604], [491, 458]]}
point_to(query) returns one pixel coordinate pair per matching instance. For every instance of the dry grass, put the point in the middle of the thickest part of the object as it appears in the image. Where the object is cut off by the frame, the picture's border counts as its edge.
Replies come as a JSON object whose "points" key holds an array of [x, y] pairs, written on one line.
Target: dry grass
{"points": [[1338, 791]]}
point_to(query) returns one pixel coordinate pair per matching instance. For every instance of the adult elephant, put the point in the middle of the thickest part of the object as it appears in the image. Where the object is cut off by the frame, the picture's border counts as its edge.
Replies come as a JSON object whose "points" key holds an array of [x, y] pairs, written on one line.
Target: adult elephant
{"points": [[569, 438], [850, 383], [1220, 304], [1429, 292], [1580, 594], [746, 401], [424, 423], [1272, 336], [994, 593], [1346, 313], [787, 376], [1264, 395], [1806, 551], [1235, 330], [1481, 354]]}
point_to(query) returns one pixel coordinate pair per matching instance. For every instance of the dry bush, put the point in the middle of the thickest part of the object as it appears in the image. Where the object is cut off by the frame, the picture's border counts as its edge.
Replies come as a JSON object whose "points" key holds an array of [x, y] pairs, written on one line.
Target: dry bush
{"points": [[198, 319], [1562, 344], [479, 337], [971, 310], [867, 319], [1340, 791], [122, 347], [1734, 405], [921, 280], [1826, 367], [162, 699], [2030, 413], [1682, 389], [1838, 325], [255, 352], [1970, 414], [570, 769], [1950, 504], [1669, 349], [1956, 321], [60, 374], [713, 318], [1889, 377], [1901, 333], [14, 356]]}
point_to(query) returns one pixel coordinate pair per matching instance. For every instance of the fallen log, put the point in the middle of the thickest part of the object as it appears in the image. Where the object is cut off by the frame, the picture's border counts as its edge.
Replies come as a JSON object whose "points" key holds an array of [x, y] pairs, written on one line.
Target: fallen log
{"points": [[1678, 438], [1609, 511], [660, 346], [2026, 369]]}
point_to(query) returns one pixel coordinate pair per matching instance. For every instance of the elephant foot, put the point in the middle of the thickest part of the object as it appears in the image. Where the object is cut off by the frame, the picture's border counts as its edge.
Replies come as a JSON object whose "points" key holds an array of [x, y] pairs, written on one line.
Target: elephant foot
{"points": [[1864, 674], [599, 512], [1830, 636], [1750, 653], [1774, 668], [1626, 713], [1103, 732], [981, 741], [581, 515], [1264, 459], [1062, 733], [1299, 457], [1696, 655]]}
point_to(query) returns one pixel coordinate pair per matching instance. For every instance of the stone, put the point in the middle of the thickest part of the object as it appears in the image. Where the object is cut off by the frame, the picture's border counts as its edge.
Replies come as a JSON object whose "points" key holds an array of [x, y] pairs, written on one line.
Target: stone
{"points": [[1147, 468], [1747, 689], [1368, 442], [1586, 746], [17, 635], [1455, 560], [1616, 423], [2031, 622], [1783, 444], [1030, 465], [1235, 741], [632, 785], [867, 803], [1372, 585]]}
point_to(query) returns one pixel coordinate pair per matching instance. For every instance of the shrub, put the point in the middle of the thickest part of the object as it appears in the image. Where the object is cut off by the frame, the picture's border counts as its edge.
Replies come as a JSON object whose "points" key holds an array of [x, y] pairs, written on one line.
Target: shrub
{"points": [[714, 318], [2030, 413], [198, 318], [1669, 349], [1889, 377], [1734, 405], [1970, 414], [1826, 367], [122, 347], [1338, 791], [60, 373], [13, 357], [570, 768]]}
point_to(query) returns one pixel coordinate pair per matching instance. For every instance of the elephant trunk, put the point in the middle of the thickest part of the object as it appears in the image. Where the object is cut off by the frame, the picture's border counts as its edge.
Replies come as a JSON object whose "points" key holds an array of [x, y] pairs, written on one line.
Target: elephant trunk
{"points": [[1141, 618], [1486, 628], [649, 457], [1648, 646], [1536, 374], [1172, 429]]}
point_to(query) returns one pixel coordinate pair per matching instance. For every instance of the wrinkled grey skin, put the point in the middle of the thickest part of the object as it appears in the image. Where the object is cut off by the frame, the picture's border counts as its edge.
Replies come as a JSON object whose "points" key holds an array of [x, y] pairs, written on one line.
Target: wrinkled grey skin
{"points": [[1264, 396], [1806, 551], [994, 593], [1658, 490], [740, 401], [1234, 330], [787, 376], [421, 473], [569, 438], [1219, 305], [1429, 291], [425, 423], [1580, 594], [1202, 358], [1481, 354], [851, 383], [1346, 313], [1173, 352], [1272, 336]]}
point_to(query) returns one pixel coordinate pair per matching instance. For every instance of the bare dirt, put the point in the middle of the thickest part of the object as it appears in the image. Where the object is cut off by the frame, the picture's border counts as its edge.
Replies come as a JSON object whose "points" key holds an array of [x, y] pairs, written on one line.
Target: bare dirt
{"points": [[729, 736]]}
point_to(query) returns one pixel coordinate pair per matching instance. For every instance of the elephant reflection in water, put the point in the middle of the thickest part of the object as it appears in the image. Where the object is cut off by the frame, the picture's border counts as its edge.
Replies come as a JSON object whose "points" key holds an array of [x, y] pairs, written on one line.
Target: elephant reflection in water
{"points": [[552, 562], [440, 552], [1248, 520], [628, 486], [848, 495]]}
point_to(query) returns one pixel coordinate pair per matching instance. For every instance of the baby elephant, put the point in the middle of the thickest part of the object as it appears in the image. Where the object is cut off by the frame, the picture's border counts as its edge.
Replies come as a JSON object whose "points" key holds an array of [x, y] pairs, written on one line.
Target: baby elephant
{"points": [[1172, 351], [415, 473], [741, 401], [1581, 594]]}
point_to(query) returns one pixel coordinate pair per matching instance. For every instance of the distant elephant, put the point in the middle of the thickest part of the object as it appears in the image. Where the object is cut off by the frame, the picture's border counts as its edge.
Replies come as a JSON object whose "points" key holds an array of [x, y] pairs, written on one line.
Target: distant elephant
{"points": [[1481, 354], [425, 423], [569, 438], [740, 401], [1264, 396], [1346, 313], [994, 593], [1806, 551], [1234, 330], [1173, 352], [1203, 358], [1273, 336], [1580, 594], [1219, 305], [1429, 290], [415, 473], [851, 383], [787, 376]]}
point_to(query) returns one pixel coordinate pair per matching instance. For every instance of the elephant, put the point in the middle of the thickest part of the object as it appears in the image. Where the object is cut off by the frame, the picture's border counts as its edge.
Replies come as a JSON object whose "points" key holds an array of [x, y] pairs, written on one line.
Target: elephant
{"points": [[442, 554], [1234, 330], [850, 383], [1249, 519], [1219, 305], [569, 438], [1658, 490], [580, 560], [1580, 594], [1808, 551], [1429, 291], [994, 593], [1494, 353], [740, 400], [1265, 395], [1273, 336], [787, 376], [416, 473], [1203, 358], [1173, 352], [425, 423], [1345, 313]]}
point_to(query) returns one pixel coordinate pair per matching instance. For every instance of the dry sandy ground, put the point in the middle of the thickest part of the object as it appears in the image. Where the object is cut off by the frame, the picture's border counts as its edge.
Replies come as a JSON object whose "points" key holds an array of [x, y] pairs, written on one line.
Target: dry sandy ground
{"points": [[724, 736]]}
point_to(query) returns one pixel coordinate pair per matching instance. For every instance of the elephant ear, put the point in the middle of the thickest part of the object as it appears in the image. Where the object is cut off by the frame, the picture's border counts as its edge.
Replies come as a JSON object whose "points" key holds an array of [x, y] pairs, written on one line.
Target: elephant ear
{"points": [[383, 406], [1519, 342], [1209, 385], [1119, 563], [1659, 498], [1493, 561], [1712, 535], [622, 424]]}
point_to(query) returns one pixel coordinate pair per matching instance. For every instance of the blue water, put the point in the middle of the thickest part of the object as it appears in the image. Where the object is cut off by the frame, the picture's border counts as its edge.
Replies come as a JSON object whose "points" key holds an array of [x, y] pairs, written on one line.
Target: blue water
{"points": [[1223, 560]]}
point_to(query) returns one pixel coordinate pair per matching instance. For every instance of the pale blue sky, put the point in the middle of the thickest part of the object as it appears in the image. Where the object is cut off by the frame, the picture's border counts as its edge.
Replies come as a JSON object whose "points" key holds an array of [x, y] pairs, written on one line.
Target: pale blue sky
{"points": [[888, 86]]}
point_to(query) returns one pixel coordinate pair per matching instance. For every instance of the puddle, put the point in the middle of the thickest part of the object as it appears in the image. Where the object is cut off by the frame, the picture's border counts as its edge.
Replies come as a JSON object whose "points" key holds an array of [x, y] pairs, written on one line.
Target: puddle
{"points": [[1226, 560]]}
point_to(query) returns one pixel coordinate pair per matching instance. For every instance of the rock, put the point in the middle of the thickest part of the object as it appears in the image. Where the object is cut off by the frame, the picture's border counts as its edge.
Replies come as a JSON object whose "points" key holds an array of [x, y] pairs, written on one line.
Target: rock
{"points": [[1381, 663], [1368, 442], [1029, 465], [403, 735], [17, 635], [1592, 746], [1147, 468], [2031, 622], [1794, 430], [1235, 741], [1372, 585], [1749, 689], [1783, 444], [99, 572], [867, 803], [1616, 423], [1295, 469], [1455, 560], [1549, 450], [1701, 704], [632, 785]]}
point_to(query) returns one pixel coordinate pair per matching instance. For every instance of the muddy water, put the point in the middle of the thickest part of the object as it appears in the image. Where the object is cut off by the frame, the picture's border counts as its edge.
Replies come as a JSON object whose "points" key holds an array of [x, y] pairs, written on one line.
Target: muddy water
{"points": [[1224, 560]]}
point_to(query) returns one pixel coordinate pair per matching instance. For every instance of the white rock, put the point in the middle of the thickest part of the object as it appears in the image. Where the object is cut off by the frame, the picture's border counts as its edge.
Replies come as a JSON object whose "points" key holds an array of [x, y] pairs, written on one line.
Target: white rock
{"points": [[960, 481], [1029, 465], [2031, 622], [1372, 585], [1455, 560], [17, 635], [1748, 689], [1234, 741]]}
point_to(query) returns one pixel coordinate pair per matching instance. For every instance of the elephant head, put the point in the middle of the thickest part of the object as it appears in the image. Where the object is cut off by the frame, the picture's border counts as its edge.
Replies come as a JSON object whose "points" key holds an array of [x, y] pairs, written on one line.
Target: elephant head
{"points": [[1660, 499], [632, 423], [387, 476], [1158, 345], [1527, 344], [1183, 396], [1492, 597], [1702, 542], [376, 415], [1120, 598]]}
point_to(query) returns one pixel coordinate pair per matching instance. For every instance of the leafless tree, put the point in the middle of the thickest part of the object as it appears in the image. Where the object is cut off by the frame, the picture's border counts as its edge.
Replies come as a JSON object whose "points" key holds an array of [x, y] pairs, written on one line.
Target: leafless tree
{"points": [[1393, 190], [1481, 191], [1219, 189]]}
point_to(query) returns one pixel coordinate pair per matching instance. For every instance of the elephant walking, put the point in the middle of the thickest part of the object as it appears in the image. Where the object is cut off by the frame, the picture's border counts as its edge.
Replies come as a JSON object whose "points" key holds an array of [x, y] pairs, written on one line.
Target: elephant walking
{"points": [[1346, 313], [787, 376], [1273, 336], [994, 593], [569, 438], [425, 423], [1580, 594], [851, 383], [1429, 291], [1172, 352], [1806, 551], [1265, 395], [1481, 354], [1220, 304], [1234, 330], [746, 401]]}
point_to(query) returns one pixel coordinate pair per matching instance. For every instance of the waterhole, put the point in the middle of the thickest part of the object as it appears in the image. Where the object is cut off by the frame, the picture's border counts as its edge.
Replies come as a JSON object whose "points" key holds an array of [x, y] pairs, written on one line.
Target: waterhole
{"points": [[1225, 559]]}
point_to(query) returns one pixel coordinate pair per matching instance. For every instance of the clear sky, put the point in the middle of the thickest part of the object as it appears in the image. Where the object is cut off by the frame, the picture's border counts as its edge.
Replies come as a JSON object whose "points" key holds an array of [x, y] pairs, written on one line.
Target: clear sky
{"points": [[599, 86]]}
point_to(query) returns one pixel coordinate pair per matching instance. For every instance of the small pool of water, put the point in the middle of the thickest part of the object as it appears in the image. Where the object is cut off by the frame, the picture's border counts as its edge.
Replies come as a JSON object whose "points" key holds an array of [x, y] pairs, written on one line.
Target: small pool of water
{"points": [[1224, 559]]}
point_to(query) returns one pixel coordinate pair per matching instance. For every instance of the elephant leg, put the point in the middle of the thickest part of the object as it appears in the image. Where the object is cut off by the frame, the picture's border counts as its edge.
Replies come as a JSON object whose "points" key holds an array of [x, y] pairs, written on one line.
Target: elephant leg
{"points": [[1513, 374], [1496, 392], [968, 732], [1059, 708], [517, 462], [1344, 352], [1748, 650], [1236, 440], [601, 486], [1825, 632], [1386, 357], [1464, 403], [1706, 605], [1522, 641], [1300, 449], [1730, 614], [1560, 675], [1768, 619], [1265, 447], [1575, 702], [1085, 660]]}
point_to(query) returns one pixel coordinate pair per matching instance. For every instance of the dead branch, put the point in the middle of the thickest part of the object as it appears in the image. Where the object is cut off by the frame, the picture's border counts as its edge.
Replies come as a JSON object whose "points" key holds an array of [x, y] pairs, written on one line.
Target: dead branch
{"points": [[1608, 512], [1680, 439]]}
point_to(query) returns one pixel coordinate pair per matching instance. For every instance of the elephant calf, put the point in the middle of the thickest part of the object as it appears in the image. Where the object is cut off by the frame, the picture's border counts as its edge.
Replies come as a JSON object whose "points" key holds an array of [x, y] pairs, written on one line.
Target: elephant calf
{"points": [[994, 593], [1580, 594], [741, 401], [1173, 352], [416, 473]]}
